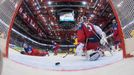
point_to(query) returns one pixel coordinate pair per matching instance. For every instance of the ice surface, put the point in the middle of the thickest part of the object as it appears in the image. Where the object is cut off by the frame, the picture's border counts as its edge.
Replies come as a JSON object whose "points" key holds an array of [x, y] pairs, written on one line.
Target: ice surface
{"points": [[70, 62]]}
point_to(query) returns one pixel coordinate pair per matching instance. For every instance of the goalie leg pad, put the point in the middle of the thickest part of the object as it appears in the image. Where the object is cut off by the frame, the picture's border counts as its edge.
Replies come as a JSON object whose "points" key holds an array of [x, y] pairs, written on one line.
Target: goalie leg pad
{"points": [[94, 56]]}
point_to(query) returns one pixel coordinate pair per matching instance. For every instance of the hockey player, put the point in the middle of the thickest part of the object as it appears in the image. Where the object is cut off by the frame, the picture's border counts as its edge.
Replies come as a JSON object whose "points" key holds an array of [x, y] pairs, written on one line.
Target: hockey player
{"points": [[89, 38], [28, 50], [55, 47], [115, 34]]}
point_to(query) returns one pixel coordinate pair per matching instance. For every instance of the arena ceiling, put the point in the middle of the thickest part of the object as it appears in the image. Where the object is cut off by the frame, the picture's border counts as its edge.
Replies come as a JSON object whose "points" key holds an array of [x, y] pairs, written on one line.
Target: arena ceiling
{"points": [[40, 19]]}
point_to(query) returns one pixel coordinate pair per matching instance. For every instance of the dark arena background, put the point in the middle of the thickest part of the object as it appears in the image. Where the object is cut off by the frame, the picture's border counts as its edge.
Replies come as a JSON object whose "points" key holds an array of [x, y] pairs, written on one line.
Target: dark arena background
{"points": [[40, 37]]}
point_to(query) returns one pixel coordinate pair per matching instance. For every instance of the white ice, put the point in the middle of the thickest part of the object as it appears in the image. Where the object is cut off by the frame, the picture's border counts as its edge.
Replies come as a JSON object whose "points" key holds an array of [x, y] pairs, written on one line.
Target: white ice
{"points": [[70, 62]]}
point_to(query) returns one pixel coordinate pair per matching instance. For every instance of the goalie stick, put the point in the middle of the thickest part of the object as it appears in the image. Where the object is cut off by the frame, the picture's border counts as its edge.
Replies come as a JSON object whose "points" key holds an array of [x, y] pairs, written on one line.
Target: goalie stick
{"points": [[107, 46]]}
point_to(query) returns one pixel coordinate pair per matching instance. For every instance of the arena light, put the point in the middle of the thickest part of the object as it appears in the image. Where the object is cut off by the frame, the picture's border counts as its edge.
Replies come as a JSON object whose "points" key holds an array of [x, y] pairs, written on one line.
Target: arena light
{"points": [[99, 5], [49, 2], [52, 10], [41, 15], [52, 23], [84, 3], [92, 15], [59, 37], [110, 14]]}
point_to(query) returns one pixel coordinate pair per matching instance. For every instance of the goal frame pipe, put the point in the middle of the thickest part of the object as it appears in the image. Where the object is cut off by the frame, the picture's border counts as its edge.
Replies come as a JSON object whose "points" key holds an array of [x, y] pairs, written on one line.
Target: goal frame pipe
{"points": [[11, 25], [119, 27], [111, 4]]}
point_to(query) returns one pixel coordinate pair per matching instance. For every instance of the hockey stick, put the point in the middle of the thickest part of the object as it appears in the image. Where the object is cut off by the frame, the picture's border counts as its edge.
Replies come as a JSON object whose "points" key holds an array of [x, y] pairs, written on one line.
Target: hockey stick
{"points": [[65, 55], [106, 46], [86, 48]]}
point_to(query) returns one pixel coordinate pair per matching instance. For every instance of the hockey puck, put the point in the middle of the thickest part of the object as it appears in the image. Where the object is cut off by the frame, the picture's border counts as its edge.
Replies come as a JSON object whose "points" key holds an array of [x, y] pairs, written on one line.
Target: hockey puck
{"points": [[57, 63]]}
